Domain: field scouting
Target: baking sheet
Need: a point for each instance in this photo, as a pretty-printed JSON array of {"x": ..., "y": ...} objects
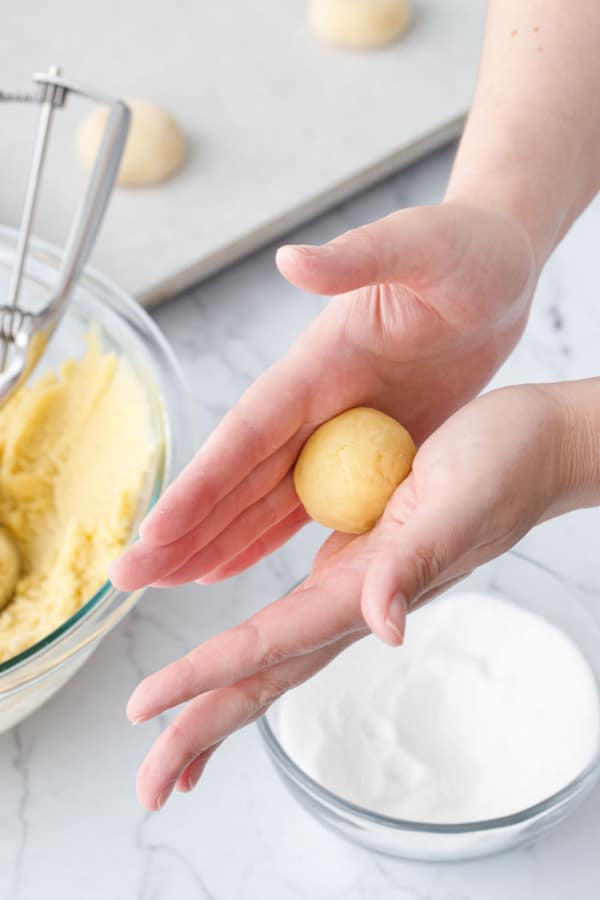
[{"x": 280, "y": 126}]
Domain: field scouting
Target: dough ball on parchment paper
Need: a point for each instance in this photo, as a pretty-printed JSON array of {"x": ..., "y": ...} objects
[
  {"x": 359, "y": 23},
  {"x": 155, "y": 147}
]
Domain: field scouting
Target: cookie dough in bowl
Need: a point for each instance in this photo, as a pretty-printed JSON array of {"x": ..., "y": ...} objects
[
  {"x": 10, "y": 567},
  {"x": 86, "y": 448},
  {"x": 75, "y": 451}
]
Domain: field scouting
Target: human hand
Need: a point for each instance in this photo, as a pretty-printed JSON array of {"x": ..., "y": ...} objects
[
  {"x": 431, "y": 301},
  {"x": 497, "y": 467}
]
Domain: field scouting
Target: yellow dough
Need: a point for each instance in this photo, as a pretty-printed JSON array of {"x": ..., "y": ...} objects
[
  {"x": 10, "y": 566},
  {"x": 359, "y": 23},
  {"x": 75, "y": 452},
  {"x": 155, "y": 147},
  {"x": 350, "y": 466}
]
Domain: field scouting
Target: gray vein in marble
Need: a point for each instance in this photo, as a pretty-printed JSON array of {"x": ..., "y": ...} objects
[
  {"x": 547, "y": 360},
  {"x": 387, "y": 873},
  {"x": 151, "y": 850},
  {"x": 217, "y": 409},
  {"x": 291, "y": 887},
  {"x": 252, "y": 866},
  {"x": 130, "y": 652},
  {"x": 21, "y": 767},
  {"x": 159, "y": 722},
  {"x": 281, "y": 569},
  {"x": 556, "y": 317},
  {"x": 146, "y": 852},
  {"x": 193, "y": 333},
  {"x": 163, "y": 625},
  {"x": 552, "y": 283},
  {"x": 565, "y": 580},
  {"x": 244, "y": 374}
]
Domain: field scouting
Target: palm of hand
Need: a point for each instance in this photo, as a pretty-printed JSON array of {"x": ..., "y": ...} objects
[
  {"x": 418, "y": 349},
  {"x": 452, "y": 300}
]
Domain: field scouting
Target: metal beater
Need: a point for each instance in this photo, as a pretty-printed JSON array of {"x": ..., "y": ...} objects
[{"x": 24, "y": 335}]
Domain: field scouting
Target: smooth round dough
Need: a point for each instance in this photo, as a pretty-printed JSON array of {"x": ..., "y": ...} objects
[
  {"x": 350, "y": 467},
  {"x": 359, "y": 23},
  {"x": 155, "y": 146},
  {"x": 10, "y": 567}
]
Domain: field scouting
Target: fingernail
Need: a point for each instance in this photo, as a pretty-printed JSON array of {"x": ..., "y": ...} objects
[
  {"x": 183, "y": 785},
  {"x": 163, "y": 797},
  {"x": 193, "y": 780},
  {"x": 299, "y": 250},
  {"x": 134, "y": 718},
  {"x": 396, "y": 616}
]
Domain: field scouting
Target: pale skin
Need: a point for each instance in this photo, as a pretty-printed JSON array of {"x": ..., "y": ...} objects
[{"x": 427, "y": 303}]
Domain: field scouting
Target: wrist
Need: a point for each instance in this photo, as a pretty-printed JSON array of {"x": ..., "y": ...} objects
[
  {"x": 513, "y": 267},
  {"x": 576, "y": 444},
  {"x": 512, "y": 199}
]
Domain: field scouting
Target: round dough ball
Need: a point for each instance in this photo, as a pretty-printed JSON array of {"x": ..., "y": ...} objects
[
  {"x": 350, "y": 467},
  {"x": 359, "y": 23},
  {"x": 10, "y": 567},
  {"x": 155, "y": 146}
]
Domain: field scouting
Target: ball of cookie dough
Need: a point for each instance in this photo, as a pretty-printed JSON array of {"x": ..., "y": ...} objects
[
  {"x": 10, "y": 567},
  {"x": 155, "y": 146},
  {"x": 350, "y": 467},
  {"x": 359, "y": 23}
]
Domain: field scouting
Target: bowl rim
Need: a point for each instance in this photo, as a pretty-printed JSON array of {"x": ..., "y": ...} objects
[
  {"x": 286, "y": 764},
  {"x": 100, "y": 285}
]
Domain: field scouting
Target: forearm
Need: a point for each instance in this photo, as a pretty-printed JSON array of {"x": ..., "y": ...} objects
[{"x": 531, "y": 147}]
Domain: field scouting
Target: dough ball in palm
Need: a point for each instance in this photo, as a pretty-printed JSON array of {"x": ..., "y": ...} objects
[{"x": 350, "y": 467}]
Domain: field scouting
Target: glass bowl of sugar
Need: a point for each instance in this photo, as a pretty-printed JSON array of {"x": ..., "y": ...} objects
[{"x": 479, "y": 734}]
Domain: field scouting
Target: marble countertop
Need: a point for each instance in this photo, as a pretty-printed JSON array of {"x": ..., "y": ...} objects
[{"x": 70, "y": 825}]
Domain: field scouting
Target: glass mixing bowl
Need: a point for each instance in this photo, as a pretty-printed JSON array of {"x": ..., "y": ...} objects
[
  {"x": 533, "y": 586},
  {"x": 32, "y": 677}
]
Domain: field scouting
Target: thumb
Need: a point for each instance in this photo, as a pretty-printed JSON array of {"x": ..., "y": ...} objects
[
  {"x": 407, "y": 562},
  {"x": 405, "y": 246}
]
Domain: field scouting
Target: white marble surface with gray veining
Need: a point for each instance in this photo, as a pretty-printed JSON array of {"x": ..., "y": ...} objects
[{"x": 70, "y": 825}]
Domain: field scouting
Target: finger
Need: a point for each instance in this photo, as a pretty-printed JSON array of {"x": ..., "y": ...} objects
[
  {"x": 274, "y": 538},
  {"x": 223, "y": 535},
  {"x": 190, "y": 777},
  {"x": 410, "y": 559},
  {"x": 440, "y": 588},
  {"x": 336, "y": 543},
  {"x": 263, "y": 421},
  {"x": 144, "y": 563},
  {"x": 311, "y": 617},
  {"x": 253, "y": 522},
  {"x": 210, "y": 718},
  {"x": 400, "y": 247}
]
